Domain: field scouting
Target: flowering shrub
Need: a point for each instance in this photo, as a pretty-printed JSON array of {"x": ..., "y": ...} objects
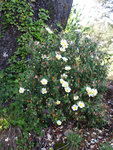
[{"x": 64, "y": 82}]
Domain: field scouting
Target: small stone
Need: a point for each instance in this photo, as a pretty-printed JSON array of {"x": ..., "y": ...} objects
[
  {"x": 93, "y": 141},
  {"x": 100, "y": 137},
  {"x": 92, "y": 147},
  {"x": 68, "y": 132},
  {"x": 49, "y": 137},
  {"x": 107, "y": 134},
  {"x": 87, "y": 133},
  {"x": 53, "y": 143},
  {"x": 100, "y": 131}
]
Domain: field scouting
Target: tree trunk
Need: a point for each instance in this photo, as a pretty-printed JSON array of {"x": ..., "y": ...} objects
[{"x": 59, "y": 11}]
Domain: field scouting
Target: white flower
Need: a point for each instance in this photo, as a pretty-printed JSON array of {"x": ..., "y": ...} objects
[
  {"x": 43, "y": 56},
  {"x": 59, "y": 122},
  {"x": 21, "y": 90},
  {"x": 49, "y": 30},
  {"x": 94, "y": 92},
  {"x": 111, "y": 144},
  {"x": 58, "y": 102},
  {"x": 68, "y": 89},
  {"x": 65, "y": 59},
  {"x": 74, "y": 107},
  {"x": 64, "y": 43},
  {"x": 67, "y": 68},
  {"x": 62, "y": 49},
  {"x": 81, "y": 104},
  {"x": 58, "y": 56},
  {"x": 7, "y": 139},
  {"x": 43, "y": 91},
  {"x": 36, "y": 42},
  {"x": 65, "y": 84},
  {"x": 5, "y": 54},
  {"x": 76, "y": 97},
  {"x": 62, "y": 81},
  {"x": 64, "y": 75},
  {"x": 44, "y": 81},
  {"x": 89, "y": 91}
]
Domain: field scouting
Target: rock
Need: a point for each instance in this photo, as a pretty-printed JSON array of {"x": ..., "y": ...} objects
[
  {"x": 49, "y": 137},
  {"x": 100, "y": 137},
  {"x": 8, "y": 45},
  {"x": 43, "y": 148},
  {"x": 68, "y": 132},
  {"x": 92, "y": 147},
  {"x": 59, "y": 11},
  {"x": 93, "y": 141}
]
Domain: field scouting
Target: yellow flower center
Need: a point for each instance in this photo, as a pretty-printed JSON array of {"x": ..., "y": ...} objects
[{"x": 80, "y": 104}]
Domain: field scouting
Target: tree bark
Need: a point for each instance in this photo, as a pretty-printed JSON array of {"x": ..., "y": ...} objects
[{"x": 59, "y": 11}]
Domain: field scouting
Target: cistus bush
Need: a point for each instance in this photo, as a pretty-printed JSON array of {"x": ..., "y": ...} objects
[{"x": 64, "y": 82}]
